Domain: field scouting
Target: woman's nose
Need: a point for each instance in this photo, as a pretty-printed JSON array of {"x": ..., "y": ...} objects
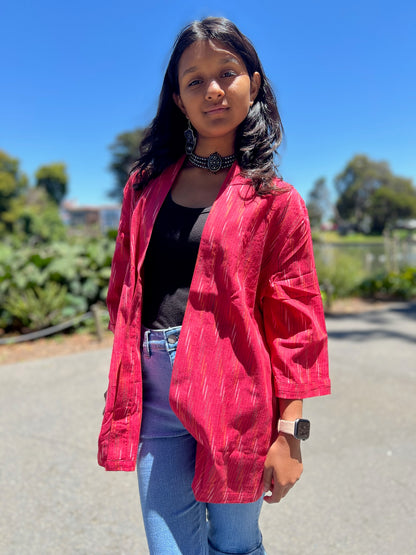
[{"x": 214, "y": 91}]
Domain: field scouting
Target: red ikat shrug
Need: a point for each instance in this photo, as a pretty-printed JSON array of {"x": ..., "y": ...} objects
[{"x": 253, "y": 331}]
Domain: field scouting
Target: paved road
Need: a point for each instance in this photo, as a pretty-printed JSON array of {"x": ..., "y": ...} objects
[{"x": 357, "y": 495}]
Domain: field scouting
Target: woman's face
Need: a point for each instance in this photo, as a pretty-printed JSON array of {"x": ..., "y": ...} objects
[{"x": 215, "y": 90}]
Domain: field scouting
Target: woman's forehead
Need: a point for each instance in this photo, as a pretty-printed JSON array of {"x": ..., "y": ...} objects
[{"x": 198, "y": 53}]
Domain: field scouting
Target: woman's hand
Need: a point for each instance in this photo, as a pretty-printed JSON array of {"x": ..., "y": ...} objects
[{"x": 282, "y": 468}]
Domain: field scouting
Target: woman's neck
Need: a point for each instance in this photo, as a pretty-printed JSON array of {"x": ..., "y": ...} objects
[{"x": 206, "y": 146}]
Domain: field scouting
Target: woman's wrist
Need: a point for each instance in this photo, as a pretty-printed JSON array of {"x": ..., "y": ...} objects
[
  {"x": 288, "y": 440},
  {"x": 290, "y": 409}
]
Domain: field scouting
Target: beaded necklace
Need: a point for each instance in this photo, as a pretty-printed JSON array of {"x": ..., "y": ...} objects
[{"x": 214, "y": 162}]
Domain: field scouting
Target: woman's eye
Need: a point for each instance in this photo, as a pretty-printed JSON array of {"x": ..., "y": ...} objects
[
  {"x": 194, "y": 82},
  {"x": 229, "y": 73}
]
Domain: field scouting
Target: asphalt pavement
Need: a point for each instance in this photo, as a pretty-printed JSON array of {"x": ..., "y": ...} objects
[{"x": 357, "y": 494}]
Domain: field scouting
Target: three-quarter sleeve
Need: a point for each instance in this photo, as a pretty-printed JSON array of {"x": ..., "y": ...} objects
[{"x": 292, "y": 309}]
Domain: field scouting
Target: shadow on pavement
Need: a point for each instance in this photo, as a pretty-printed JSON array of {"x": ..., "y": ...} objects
[{"x": 384, "y": 324}]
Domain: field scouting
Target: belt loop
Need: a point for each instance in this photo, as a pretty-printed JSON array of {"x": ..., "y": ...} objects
[{"x": 146, "y": 346}]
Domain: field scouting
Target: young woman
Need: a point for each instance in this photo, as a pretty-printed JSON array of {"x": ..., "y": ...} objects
[{"x": 215, "y": 305}]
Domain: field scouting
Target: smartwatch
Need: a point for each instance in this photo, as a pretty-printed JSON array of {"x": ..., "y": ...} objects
[{"x": 299, "y": 428}]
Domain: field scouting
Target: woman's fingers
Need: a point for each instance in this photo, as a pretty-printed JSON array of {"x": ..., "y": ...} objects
[
  {"x": 267, "y": 480},
  {"x": 277, "y": 493},
  {"x": 282, "y": 468}
]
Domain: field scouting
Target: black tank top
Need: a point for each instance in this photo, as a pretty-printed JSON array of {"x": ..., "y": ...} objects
[{"x": 169, "y": 263}]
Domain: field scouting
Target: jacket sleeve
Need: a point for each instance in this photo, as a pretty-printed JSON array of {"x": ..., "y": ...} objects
[
  {"x": 292, "y": 308},
  {"x": 121, "y": 258}
]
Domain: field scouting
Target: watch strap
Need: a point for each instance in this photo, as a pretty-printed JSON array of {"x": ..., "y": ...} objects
[{"x": 286, "y": 426}]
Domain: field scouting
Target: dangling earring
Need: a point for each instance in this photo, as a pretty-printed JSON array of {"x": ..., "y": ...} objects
[{"x": 190, "y": 139}]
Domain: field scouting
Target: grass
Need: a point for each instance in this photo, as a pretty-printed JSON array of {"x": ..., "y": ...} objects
[{"x": 356, "y": 238}]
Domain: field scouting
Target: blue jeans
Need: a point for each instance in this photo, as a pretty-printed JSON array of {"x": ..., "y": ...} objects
[{"x": 175, "y": 522}]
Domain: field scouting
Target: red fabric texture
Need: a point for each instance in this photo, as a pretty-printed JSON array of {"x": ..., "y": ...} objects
[{"x": 253, "y": 331}]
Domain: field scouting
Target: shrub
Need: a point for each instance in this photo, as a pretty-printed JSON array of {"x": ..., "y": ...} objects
[
  {"x": 36, "y": 308},
  {"x": 76, "y": 272},
  {"x": 339, "y": 273},
  {"x": 390, "y": 285}
]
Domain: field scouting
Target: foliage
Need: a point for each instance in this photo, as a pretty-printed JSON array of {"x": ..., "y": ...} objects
[
  {"x": 371, "y": 197},
  {"x": 339, "y": 273},
  {"x": 37, "y": 307},
  {"x": 26, "y": 213},
  {"x": 356, "y": 238},
  {"x": 54, "y": 179},
  {"x": 124, "y": 152},
  {"x": 81, "y": 269},
  {"x": 33, "y": 217},
  {"x": 388, "y": 206},
  {"x": 12, "y": 183},
  {"x": 390, "y": 285},
  {"x": 319, "y": 202},
  {"x": 89, "y": 325}
]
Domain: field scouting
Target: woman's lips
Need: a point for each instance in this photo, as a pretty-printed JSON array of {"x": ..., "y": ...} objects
[{"x": 218, "y": 110}]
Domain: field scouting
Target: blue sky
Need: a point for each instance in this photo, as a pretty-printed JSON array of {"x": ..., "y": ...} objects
[{"x": 75, "y": 74}]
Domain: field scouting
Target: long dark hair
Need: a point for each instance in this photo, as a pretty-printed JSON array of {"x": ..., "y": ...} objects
[{"x": 257, "y": 137}]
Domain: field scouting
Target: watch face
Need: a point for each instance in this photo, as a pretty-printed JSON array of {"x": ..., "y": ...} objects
[{"x": 302, "y": 429}]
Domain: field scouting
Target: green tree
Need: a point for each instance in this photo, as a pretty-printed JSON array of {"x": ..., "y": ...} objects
[
  {"x": 391, "y": 204},
  {"x": 124, "y": 152},
  {"x": 34, "y": 216},
  {"x": 371, "y": 197},
  {"x": 12, "y": 183},
  {"x": 319, "y": 202},
  {"x": 54, "y": 179}
]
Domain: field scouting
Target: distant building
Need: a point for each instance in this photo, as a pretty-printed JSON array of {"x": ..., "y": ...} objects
[{"x": 105, "y": 217}]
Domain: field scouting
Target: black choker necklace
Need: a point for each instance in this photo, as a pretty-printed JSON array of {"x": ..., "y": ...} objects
[{"x": 214, "y": 162}]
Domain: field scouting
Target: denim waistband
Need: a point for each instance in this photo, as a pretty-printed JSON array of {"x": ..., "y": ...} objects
[{"x": 160, "y": 340}]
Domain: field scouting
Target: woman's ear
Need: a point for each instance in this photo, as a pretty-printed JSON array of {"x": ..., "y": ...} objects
[
  {"x": 254, "y": 86},
  {"x": 178, "y": 101}
]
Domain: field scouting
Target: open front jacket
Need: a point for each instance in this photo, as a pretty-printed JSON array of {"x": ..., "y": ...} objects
[{"x": 253, "y": 332}]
